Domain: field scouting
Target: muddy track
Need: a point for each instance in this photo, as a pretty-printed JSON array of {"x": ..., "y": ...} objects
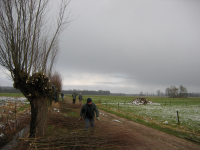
[{"x": 142, "y": 137}]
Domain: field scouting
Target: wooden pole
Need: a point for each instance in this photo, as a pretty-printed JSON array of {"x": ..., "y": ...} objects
[{"x": 178, "y": 117}]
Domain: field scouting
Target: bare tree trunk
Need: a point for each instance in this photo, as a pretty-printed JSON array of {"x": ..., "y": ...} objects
[{"x": 38, "y": 122}]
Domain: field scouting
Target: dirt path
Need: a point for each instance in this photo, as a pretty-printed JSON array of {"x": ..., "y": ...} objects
[{"x": 141, "y": 137}]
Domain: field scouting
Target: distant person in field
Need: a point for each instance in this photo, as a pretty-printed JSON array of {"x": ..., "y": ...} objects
[
  {"x": 80, "y": 97},
  {"x": 74, "y": 97},
  {"x": 62, "y": 95},
  {"x": 88, "y": 113}
]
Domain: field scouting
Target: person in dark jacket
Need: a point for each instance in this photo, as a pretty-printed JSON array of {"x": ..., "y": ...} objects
[
  {"x": 88, "y": 113},
  {"x": 62, "y": 95},
  {"x": 80, "y": 97},
  {"x": 74, "y": 97}
]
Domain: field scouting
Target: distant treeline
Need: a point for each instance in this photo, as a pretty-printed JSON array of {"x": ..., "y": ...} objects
[
  {"x": 87, "y": 92},
  {"x": 7, "y": 89}
]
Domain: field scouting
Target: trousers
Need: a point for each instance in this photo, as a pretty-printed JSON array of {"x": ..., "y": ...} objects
[
  {"x": 89, "y": 123},
  {"x": 74, "y": 100}
]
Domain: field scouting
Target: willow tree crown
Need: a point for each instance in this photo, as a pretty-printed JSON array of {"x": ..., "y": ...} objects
[{"x": 27, "y": 44}]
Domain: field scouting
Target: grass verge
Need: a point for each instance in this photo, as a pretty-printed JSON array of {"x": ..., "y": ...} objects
[{"x": 164, "y": 128}]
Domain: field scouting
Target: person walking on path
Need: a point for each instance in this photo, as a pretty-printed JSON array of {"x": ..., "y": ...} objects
[
  {"x": 62, "y": 95},
  {"x": 80, "y": 97},
  {"x": 88, "y": 113},
  {"x": 74, "y": 97}
]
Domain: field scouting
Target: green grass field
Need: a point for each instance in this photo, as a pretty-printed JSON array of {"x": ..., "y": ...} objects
[{"x": 12, "y": 94}]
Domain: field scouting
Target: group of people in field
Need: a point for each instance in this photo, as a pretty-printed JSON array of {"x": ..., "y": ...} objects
[{"x": 88, "y": 110}]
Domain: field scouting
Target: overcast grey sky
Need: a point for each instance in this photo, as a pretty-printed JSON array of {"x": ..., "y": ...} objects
[{"x": 130, "y": 46}]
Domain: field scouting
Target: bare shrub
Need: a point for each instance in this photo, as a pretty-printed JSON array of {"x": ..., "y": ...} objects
[{"x": 56, "y": 80}]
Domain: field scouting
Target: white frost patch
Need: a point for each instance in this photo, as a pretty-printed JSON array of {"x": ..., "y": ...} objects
[
  {"x": 56, "y": 110},
  {"x": 1, "y": 135},
  {"x": 188, "y": 115},
  {"x": 166, "y": 122},
  {"x": 2, "y": 126},
  {"x": 104, "y": 114},
  {"x": 13, "y": 98},
  {"x": 116, "y": 120}
]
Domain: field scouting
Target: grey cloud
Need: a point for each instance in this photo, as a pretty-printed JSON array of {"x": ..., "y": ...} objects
[
  {"x": 150, "y": 43},
  {"x": 146, "y": 45},
  {"x": 107, "y": 83}
]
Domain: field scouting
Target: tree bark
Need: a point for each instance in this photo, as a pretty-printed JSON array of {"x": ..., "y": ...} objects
[{"x": 38, "y": 122}]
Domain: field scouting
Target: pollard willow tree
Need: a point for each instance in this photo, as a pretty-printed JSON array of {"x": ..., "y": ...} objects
[{"x": 28, "y": 49}]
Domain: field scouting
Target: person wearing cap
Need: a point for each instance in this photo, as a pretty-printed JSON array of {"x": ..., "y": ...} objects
[
  {"x": 74, "y": 97},
  {"x": 88, "y": 113}
]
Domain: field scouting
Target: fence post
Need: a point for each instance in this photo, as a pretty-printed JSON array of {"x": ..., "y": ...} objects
[
  {"x": 178, "y": 117},
  {"x": 118, "y": 106}
]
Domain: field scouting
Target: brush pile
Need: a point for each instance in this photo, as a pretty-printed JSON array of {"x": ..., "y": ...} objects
[{"x": 141, "y": 101}]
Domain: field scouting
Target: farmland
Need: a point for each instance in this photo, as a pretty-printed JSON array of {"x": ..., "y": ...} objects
[
  {"x": 162, "y": 114},
  {"x": 156, "y": 115}
]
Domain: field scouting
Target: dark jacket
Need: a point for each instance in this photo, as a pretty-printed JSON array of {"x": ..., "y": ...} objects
[
  {"x": 80, "y": 97},
  {"x": 74, "y": 95},
  {"x": 92, "y": 110}
]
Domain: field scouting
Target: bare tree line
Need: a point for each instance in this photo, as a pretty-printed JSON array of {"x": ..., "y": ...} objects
[{"x": 173, "y": 91}]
